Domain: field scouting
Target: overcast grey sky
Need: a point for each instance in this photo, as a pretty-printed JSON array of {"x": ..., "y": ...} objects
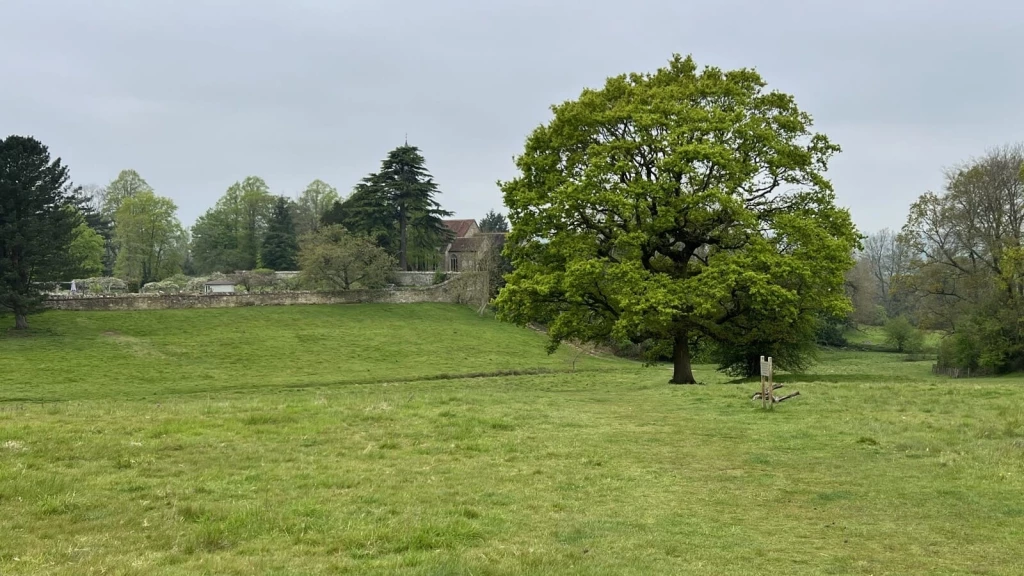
[{"x": 198, "y": 94}]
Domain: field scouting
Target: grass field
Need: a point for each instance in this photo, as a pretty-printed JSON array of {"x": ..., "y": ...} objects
[
  {"x": 873, "y": 338},
  {"x": 332, "y": 440},
  {"x": 120, "y": 355}
]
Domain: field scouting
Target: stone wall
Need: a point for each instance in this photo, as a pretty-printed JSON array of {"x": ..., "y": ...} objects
[
  {"x": 414, "y": 278},
  {"x": 456, "y": 291}
]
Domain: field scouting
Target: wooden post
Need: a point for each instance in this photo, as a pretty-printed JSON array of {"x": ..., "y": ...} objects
[{"x": 766, "y": 385}]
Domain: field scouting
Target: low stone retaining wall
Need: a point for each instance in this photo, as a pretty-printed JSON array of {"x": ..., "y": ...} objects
[
  {"x": 414, "y": 278},
  {"x": 454, "y": 292}
]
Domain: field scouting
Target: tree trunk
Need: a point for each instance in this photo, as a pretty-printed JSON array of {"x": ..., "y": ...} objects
[
  {"x": 403, "y": 241},
  {"x": 681, "y": 372},
  {"x": 20, "y": 322}
]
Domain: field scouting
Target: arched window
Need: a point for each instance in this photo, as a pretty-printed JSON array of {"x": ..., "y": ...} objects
[{"x": 454, "y": 265}]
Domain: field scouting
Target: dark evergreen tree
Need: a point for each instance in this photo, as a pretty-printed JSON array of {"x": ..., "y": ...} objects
[
  {"x": 280, "y": 245},
  {"x": 411, "y": 189},
  {"x": 494, "y": 222},
  {"x": 396, "y": 207},
  {"x": 367, "y": 211},
  {"x": 37, "y": 223}
]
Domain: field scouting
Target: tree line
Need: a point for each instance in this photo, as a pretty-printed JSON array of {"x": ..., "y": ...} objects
[
  {"x": 53, "y": 231},
  {"x": 956, "y": 266},
  {"x": 684, "y": 212}
]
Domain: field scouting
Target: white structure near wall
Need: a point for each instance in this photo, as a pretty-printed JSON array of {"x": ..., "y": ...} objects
[{"x": 219, "y": 287}]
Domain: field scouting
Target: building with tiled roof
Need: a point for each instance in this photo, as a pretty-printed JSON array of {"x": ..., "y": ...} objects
[
  {"x": 462, "y": 228},
  {"x": 469, "y": 244}
]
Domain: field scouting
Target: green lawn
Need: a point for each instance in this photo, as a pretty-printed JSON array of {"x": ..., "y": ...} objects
[
  {"x": 310, "y": 455},
  {"x": 873, "y": 338},
  {"x": 75, "y": 355}
]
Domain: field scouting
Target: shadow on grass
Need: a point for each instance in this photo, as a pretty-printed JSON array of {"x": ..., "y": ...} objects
[
  {"x": 812, "y": 378},
  {"x": 318, "y": 384}
]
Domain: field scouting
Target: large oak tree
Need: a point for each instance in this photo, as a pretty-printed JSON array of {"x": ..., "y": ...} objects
[{"x": 677, "y": 207}]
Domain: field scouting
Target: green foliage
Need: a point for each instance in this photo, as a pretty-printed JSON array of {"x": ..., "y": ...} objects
[
  {"x": 794, "y": 351},
  {"x": 89, "y": 202},
  {"x": 314, "y": 202},
  {"x": 675, "y": 207},
  {"x": 395, "y": 207},
  {"x": 959, "y": 351},
  {"x": 151, "y": 243},
  {"x": 101, "y": 285},
  {"x": 334, "y": 259},
  {"x": 902, "y": 336},
  {"x": 983, "y": 344},
  {"x": 491, "y": 260},
  {"x": 87, "y": 249},
  {"x": 38, "y": 221},
  {"x": 228, "y": 236},
  {"x": 280, "y": 245},
  {"x": 258, "y": 280},
  {"x": 367, "y": 213},
  {"x": 172, "y": 285},
  {"x": 832, "y": 331},
  {"x": 969, "y": 277},
  {"x": 128, "y": 184},
  {"x": 494, "y": 222},
  {"x": 215, "y": 243}
]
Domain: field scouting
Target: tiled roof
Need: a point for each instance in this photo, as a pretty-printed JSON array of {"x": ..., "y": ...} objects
[
  {"x": 475, "y": 243},
  {"x": 459, "y": 227}
]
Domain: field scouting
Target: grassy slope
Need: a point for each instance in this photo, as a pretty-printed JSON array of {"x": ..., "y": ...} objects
[
  {"x": 141, "y": 354},
  {"x": 873, "y": 337},
  {"x": 877, "y": 468}
]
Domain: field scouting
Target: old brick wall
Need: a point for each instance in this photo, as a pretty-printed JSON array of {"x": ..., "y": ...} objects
[{"x": 456, "y": 291}]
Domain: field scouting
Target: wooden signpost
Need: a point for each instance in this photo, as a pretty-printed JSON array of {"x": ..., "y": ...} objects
[{"x": 768, "y": 386}]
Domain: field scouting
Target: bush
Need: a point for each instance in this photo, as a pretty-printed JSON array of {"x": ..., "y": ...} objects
[
  {"x": 744, "y": 360},
  {"x": 258, "y": 280},
  {"x": 831, "y": 331},
  {"x": 440, "y": 276},
  {"x": 195, "y": 285},
  {"x": 958, "y": 351},
  {"x": 172, "y": 285},
  {"x": 902, "y": 336},
  {"x": 102, "y": 285}
]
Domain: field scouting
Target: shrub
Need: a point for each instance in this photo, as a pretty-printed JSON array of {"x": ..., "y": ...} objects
[
  {"x": 195, "y": 285},
  {"x": 831, "y": 331},
  {"x": 258, "y": 280},
  {"x": 101, "y": 285},
  {"x": 902, "y": 336},
  {"x": 172, "y": 285}
]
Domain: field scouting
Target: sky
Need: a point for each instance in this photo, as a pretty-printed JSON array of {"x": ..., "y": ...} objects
[{"x": 196, "y": 95}]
